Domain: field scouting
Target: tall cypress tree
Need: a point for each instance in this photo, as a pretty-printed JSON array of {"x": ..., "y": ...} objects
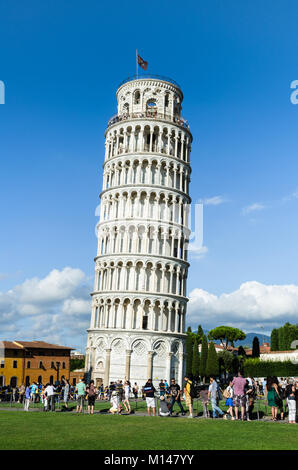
[
  {"x": 212, "y": 367},
  {"x": 281, "y": 342},
  {"x": 274, "y": 340},
  {"x": 287, "y": 336},
  {"x": 241, "y": 351},
  {"x": 196, "y": 359},
  {"x": 204, "y": 355},
  {"x": 293, "y": 334},
  {"x": 189, "y": 348},
  {"x": 200, "y": 334},
  {"x": 255, "y": 347}
]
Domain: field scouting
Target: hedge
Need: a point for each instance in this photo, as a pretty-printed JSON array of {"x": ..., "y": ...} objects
[{"x": 257, "y": 368}]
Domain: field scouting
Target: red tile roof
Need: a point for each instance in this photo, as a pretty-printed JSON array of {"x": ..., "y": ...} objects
[
  {"x": 10, "y": 345},
  {"x": 32, "y": 344},
  {"x": 41, "y": 345}
]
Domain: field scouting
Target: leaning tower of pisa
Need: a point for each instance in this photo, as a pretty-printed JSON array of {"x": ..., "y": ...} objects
[{"x": 139, "y": 300}]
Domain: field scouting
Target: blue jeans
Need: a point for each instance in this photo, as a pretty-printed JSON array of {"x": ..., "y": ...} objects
[
  {"x": 215, "y": 409},
  {"x": 173, "y": 401}
]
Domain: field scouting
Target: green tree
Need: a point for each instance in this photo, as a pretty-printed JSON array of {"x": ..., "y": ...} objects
[
  {"x": 196, "y": 360},
  {"x": 76, "y": 364},
  {"x": 293, "y": 336},
  {"x": 200, "y": 334},
  {"x": 204, "y": 356},
  {"x": 225, "y": 362},
  {"x": 241, "y": 351},
  {"x": 281, "y": 340},
  {"x": 274, "y": 340},
  {"x": 212, "y": 367},
  {"x": 189, "y": 351},
  {"x": 287, "y": 333},
  {"x": 226, "y": 335},
  {"x": 256, "y": 347}
]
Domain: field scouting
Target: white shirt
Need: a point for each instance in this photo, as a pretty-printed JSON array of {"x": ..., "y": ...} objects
[{"x": 50, "y": 390}]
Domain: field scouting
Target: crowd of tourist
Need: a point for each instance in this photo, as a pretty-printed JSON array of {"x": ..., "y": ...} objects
[{"x": 238, "y": 395}]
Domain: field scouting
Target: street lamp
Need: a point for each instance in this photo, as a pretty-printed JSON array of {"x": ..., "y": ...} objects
[
  {"x": 57, "y": 365},
  {"x": 261, "y": 326}
]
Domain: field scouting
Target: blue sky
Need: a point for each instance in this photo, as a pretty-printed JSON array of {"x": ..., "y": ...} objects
[{"x": 61, "y": 62}]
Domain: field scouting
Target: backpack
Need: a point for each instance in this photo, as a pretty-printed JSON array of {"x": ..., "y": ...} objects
[
  {"x": 226, "y": 393},
  {"x": 192, "y": 391}
]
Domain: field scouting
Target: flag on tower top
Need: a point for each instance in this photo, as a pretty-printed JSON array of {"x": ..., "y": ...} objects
[{"x": 142, "y": 63}]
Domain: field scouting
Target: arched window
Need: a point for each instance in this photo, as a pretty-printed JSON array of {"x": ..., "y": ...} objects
[
  {"x": 151, "y": 108},
  {"x": 39, "y": 379},
  {"x": 126, "y": 108},
  {"x": 167, "y": 100},
  {"x": 137, "y": 97},
  {"x": 28, "y": 364},
  {"x": 151, "y": 103},
  {"x": 63, "y": 365},
  {"x": 27, "y": 381},
  {"x": 13, "y": 382},
  {"x": 2, "y": 380},
  {"x": 51, "y": 379},
  {"x": 145, "y": 322}
]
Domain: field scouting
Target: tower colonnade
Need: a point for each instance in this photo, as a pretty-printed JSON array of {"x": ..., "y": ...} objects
[
  {"x": 139, "y": 301},
  {"x": 158, "y": 171},
  {"x": 154, "y": 138}
]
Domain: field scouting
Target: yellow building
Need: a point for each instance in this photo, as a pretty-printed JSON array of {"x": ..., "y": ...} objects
[{"x": 32, "y": 361}]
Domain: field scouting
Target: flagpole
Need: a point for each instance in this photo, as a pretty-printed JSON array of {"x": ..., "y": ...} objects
[{"x": 137, "y": 62}]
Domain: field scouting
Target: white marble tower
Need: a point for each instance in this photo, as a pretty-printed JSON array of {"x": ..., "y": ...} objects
[{"x": 139, "y": 298}]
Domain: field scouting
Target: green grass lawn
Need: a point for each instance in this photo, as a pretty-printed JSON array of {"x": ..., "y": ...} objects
[{"x": 21, "y": 430}]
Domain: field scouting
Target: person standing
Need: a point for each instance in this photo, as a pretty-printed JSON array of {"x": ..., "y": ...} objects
[
  {"x": 135, "y": 390},
  {"x": 162, "y": 388},
  {"x": 21, "y": 393},
  {"x": 149, "y": 391},
  {"x": 91, "y": 390},
  {"x": 272, "y": 396},
  {"x": 228, "y": 394},
  {"x": 50, "y": 394},
  {"x": 175, "y": 393},
  {"x": 27, "y": 398},
  {"x": 66, "y": 392},
  {"x": 33, "y": 391},
  {"x": 292, "y": 396},
  {"x": 239, "y": 384},
  {"x": 213, "y": 397},
  {"x": 80, "y": 390},
  {"x": 250, "y": 392},
  {"x": 188, "y": 397},
  {"x": 204, "y": 400},
  {"x": 279, "y": 401},
  {"x": 127, "y": 396}
]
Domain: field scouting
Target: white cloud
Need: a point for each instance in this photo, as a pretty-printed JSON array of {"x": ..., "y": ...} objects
[
  {"x": 54, "y": 287},
  {"x": 214, "y": 201},
  {"x": 197, "y": 252},
  {"x": 246, "y": 307},
  {"x": 76, "y": 307},
  {"x": 290, "y": 197},
  {"x": 55, "y": 308},
  {"x": 253, "y": 208}
]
